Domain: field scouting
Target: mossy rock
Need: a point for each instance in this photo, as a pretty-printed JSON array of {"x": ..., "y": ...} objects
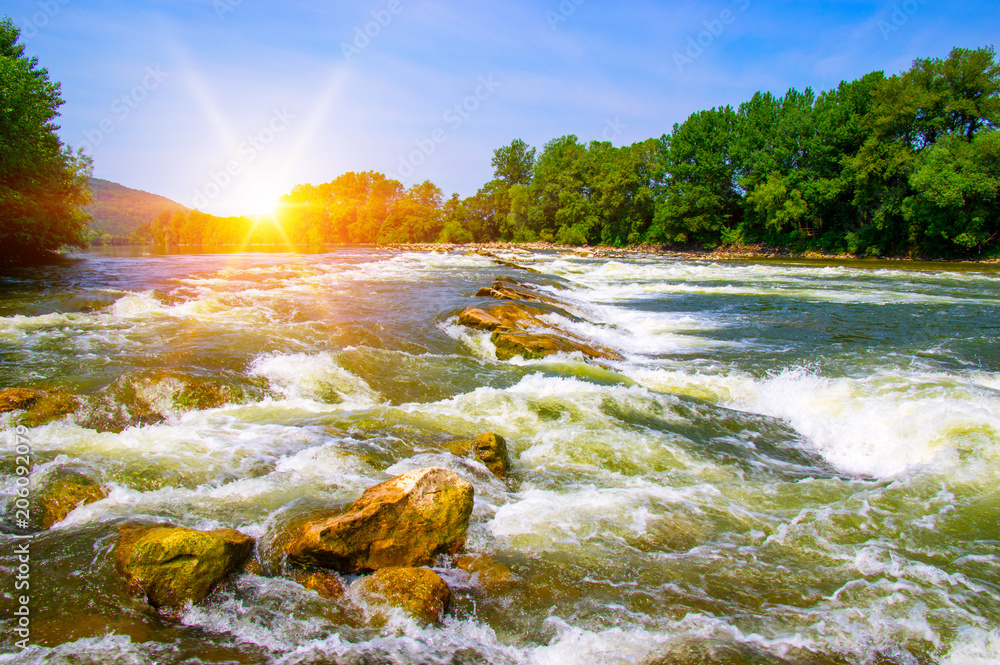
[
  {"x": 49, "y": 408},
  {"x": 419, "y": 592},
  {"x": 172, "y": 566},
  {"x": 489, "y": 448},
  {"x": 65, "y": 491},
  {"x": 17, "y": 399}
]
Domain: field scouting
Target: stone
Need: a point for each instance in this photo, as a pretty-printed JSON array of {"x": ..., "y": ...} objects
[
  {"x": 404, "y": 522},
  {"x": 16, "y": 399},
  {"x": 487, "y": 574},
  {"x": 65, "y": 492},
  {"x": 473, "y": 317},
  {"x": 326, "y": 583},
  {"x": 47, "y": 408},
  {"x": 533, "y": 346},
  {"x": 491, "y": 449},
  {"x": 419, "y": 592},
  {"x": 172, "y": 566}
]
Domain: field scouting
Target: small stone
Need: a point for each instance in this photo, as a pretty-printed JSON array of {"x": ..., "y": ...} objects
[
  {"x": 326, "y": 583},
  {"x": 491, "y": 448}
]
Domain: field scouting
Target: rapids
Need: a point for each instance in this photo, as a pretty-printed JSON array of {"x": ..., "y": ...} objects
[{"x": 796, "y": 462}]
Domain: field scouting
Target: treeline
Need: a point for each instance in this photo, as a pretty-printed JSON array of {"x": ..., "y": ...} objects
[{"x": 900, "y": 165}]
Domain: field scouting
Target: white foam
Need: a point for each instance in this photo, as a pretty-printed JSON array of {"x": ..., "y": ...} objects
[{"x": 313, "y": 376}]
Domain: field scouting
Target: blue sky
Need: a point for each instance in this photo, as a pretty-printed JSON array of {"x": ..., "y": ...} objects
[{"x": 224, "y": 105}]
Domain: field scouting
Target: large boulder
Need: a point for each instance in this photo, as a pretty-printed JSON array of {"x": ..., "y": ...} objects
[
  {"x": 172, "y": 566},
  {"x": 65, "y": 491},
  {"x": 419, "y": 592},
  {"x": 404, "y": 522}
]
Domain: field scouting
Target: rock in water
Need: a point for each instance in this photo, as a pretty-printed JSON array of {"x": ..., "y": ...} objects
[
  {"x": 65, "y": 492},
  {"x": 13, "y": 399},
  {"x": 172, "y": 565},
  {"x": 419, "y": 592},
  {"x": 404, "y": 522},
  {"x": 491, "y": 448}
]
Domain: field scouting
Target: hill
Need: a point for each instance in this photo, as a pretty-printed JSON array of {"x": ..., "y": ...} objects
[{"x": 118, "y": 210}]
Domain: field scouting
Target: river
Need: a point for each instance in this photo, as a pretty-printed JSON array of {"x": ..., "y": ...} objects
[{"x": 795, "y": 462}]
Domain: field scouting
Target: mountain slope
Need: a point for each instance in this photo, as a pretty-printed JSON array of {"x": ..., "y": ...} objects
[{"x": 118, "y": 210}]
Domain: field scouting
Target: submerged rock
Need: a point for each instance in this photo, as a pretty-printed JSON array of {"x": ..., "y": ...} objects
[
  {"x": 172, "y": 566},
  {"x": 16, "y": 399},
  {"x": 419, "y": 592},
  {"x": 40, "y": 407},
  {"x": 487, "y": 574},
  {"x": 65, "y": 491},
  {"x": 404, "y": 522}
]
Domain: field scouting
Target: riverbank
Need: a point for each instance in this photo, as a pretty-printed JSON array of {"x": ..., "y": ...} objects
[{"x": 722, "y": 253}]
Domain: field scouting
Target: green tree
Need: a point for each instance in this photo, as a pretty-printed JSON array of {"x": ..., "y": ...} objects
[
  {"x": 699, "y": 199},
  {"x": 513, "y": 164},
  {"x": 42, "y": 182}
]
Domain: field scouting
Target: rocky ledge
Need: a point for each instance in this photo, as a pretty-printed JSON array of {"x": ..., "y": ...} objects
[{"x": 523, "y": 324}]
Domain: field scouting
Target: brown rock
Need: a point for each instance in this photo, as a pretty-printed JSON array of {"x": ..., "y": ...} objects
[
  {"x": 535, "y": 346},
  {"x": 15, "y": 399},
  {"x": 172, "y": 566},
  {"x": 491, "y": 448},
  {"x": 48, "y": 408},
  {"x": 324, "y": 582},
  {"x": 65, "y": 492},
  {"x": 473, "y": 317},
  {"x": 419, "y": 592},
  {"x": 406, "y": 521}
]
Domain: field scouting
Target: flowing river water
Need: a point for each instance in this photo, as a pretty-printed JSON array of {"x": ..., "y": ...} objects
[{"x": 796, "y": 462}]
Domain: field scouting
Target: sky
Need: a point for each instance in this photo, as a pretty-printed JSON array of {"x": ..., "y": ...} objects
[{"x": 225, "y": 105}]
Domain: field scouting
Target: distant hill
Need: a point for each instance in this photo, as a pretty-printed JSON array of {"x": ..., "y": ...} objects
[{"x": 118, "y": 210}]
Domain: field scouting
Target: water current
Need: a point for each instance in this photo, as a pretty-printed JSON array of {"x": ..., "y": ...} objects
[{"x": 795, "y": 462}]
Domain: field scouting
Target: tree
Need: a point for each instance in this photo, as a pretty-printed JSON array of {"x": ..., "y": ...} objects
[
  {"x": 42, "y": 182},
  {"x": 513, "y": 164},
  {"x": 699, "y": 198}
]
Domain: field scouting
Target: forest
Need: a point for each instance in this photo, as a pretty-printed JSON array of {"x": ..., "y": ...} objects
[{"x": 906, "y": 165}]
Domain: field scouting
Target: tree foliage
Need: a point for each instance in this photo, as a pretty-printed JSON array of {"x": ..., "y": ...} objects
[{"x": 42, "y": 182}]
